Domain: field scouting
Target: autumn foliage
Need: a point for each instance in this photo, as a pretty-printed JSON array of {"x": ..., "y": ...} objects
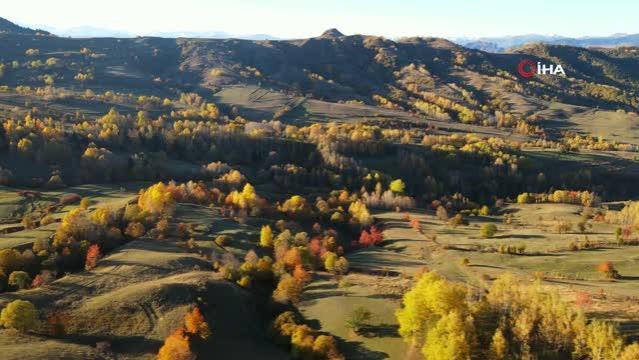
[
  {"x": 178, "y": 346},
  {"x": 371, "y": 237},
  {"x": 195, "y": 324},
  {"x": 93, "y": 255}
]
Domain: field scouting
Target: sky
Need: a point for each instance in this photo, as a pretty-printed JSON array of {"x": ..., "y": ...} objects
[{"x": 304, "y": 18}]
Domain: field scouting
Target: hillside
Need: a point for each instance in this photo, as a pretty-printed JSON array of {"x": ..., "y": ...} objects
[
  {"x": 7, "y": 26},
  {"x": 329, "y": 198}
]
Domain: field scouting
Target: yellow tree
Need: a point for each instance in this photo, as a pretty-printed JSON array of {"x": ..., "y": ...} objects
[
  {"x": 266, "y": 236},
  {"x": 430, "y": 299},
  {"x": 397, "y": 186},
  {"x": 19, "y": 314},
  {"x": 450, "y": 339}
]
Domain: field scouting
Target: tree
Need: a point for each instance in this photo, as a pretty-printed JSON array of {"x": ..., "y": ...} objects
[
  {"x": 329, "y": 261},
  {"x": 288, "y": 289},
  {"x": 358, "y": 319},
  {"x": 608, "y": 270},
  {"x": 19, "y": 314},
  {"x": 93, "y": 255},
  {"x": 487, "y": 230},
  {"x": 341, "y": 266},
  {"x": 397, "y": 186},
  {"x": 630, "y": 352},
  {"x": 603, "y": 341},
  {"x": 442, "y": 213},
  {"x": 450, "y": 339},
  {"x": 10, "y": 260},
  {"x": 176, "y": 347},
  {"x": 498, "y": 346},
  {"x": 484, "y": 211},
  {"x": 19, "y": 279},
  {"x": 431, "y": 298},
  {"x": 301, "y": 275},
  {"x": 376, "y": 235},
  {"x": 156, "y": 199},
  {"x": 195, "y": 324},
  {"x": 134, "y": 230},
  {"x": 416, "y": 225},
  {"x": 266, "y": 236}
]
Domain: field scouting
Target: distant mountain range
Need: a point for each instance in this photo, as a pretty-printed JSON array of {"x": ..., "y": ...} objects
[
  {"x": 489, "y": 44},
  {"x": 502, "y": 44}
]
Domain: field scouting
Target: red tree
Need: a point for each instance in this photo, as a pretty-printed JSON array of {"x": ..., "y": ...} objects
[
  {"x": 376, "y": 235},
  {"x": 93, "y": 255},
  {"x": 365, "y": 239}
]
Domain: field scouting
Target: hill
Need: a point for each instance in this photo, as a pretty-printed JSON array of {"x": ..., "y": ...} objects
[{"x": 7, "y": 26}]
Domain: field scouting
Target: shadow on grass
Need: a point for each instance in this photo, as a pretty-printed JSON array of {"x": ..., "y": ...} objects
[
  {"x": 355, "y": 350},
  {"x": 380, "y": 330},
  {"x": 518, "y": 236}
]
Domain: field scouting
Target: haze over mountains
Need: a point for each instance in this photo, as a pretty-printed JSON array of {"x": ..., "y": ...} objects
[
  {"x": 489, "y": 44},
  {"x": 503, "y": 43}
]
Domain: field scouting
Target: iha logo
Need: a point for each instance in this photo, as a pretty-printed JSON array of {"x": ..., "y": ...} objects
[{"x": 528, "y": 68}]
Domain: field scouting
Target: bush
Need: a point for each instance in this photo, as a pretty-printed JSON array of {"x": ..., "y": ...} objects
[
  {"x": 487, "y": 230},
  {"x": 19, "y": 314},
  {"x": 358, "y": 319},
  {"x": 222, "y": 240}
]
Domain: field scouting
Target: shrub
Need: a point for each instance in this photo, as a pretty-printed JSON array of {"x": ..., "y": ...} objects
[
  {"x": 222, "y": 240},
  {"x": 358, "y": 319},
  {"x": 487, "y": 230},
  {"x": 19, "y": 314},
  {"x": 484, "y": 211}
]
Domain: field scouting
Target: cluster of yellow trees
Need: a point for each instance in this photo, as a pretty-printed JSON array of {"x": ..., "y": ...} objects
[
  {"x": 585, "y": 198},
  {"x": 305, "y": 343},
  {"x": 496, "y": 148},
  {"x": 629, "y": 215},
  {"x": 576, "y": 141},
  {"x": 514, "y": 320}
]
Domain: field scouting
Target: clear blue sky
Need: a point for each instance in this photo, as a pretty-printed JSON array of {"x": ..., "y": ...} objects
[{"x": 303, "y": 18}]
